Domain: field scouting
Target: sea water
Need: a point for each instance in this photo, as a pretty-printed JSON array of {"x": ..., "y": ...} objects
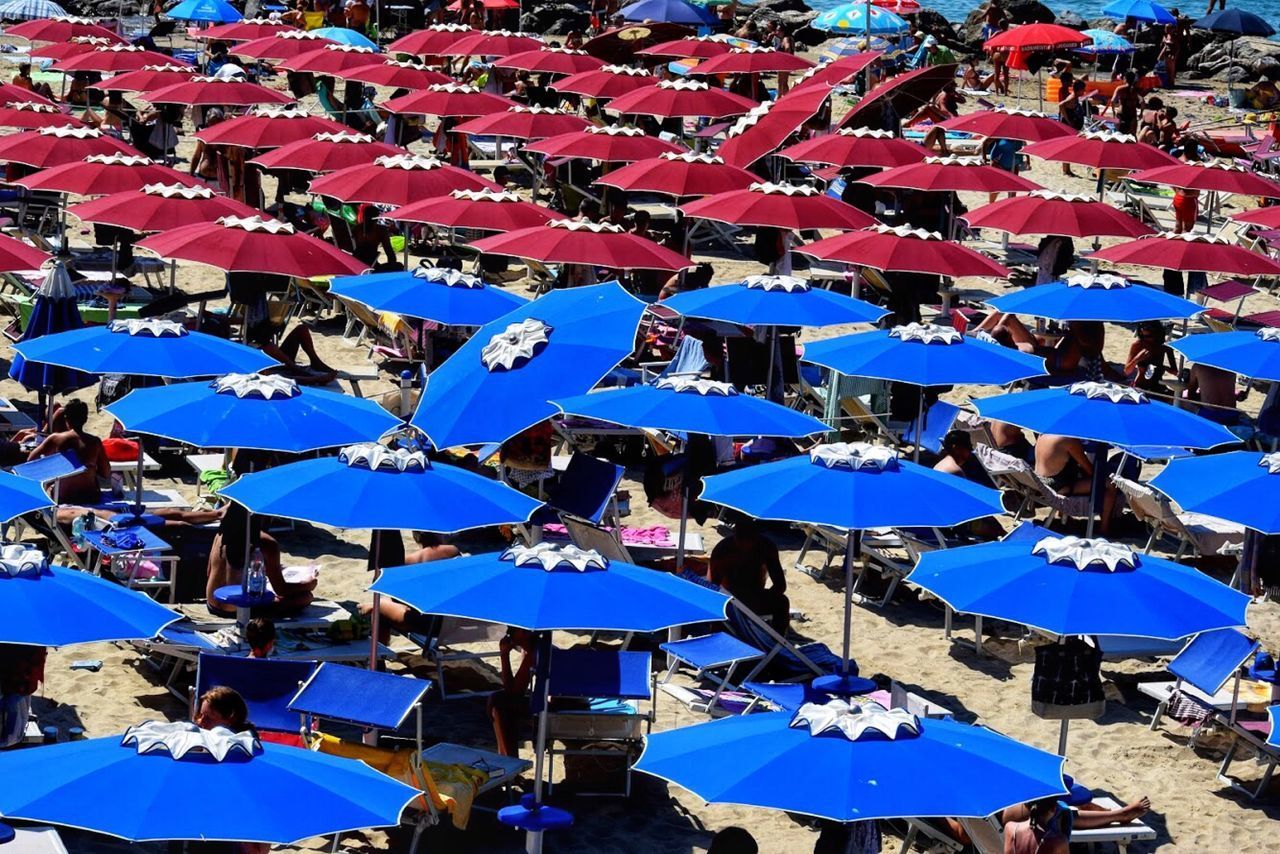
[{"x": 957, "y": 10}]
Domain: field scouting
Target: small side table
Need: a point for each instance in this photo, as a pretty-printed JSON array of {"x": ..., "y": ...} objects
[{"x": 233, "y": 594}]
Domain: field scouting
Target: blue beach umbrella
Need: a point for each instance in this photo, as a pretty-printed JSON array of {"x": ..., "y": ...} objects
[
  {"x": 852, "y": 18},
  {"x": 205, "y": 11},
  {"x": 265, "y": 793},
  {"x": 668, "y": 11},
  {"x": 1108, "y": 298},
  {"x": 20, "y": 496},
  {"x": 344, "y": 35},
  {"x": 1072, "y": 586},
  {"x": 854, "y": 45},
  {"x": 1105, "y": 43},
  {"x": 148, "y": 347},
  {"x": 501, "y": 381},
  {"x": 53, "y": 311},
  {"x": 30, "y": 10},
  {"x": 1251, "y": 354},
  {"x": 1235, "y": 21},
  {"x": 57, "y": 606},
  {"x": 267, "y": 413},
  {"x": 1140, "y": 10},
  {"x": 774, "y": 301},
  {"x": 853, "y": 762},
  {"x": 444, "y": 296},
  {"x": 1241, "y": 486}
]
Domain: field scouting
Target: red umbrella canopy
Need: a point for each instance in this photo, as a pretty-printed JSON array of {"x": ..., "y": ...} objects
[
  {"x": 75, "y": 47},
  {"x": 607, "y": 81},
  {"x": 607, "y": 144},
  {"x": 1045, "y": 212},
  {"x": 116, "y": 57},
  {"x": 268, "y": 127},
  {"x": 767, "y": 126},
  {"x": 157, "y": 207},
  {"x": 1268, "y": 217},
  {"x": 492, "y": 43},
  {"x": 752, "y": 60},
  {"x": 146, "y": 79},
  {"x": 856, "y": 147},
  {"x": 61, "y": 29},
  {"x": 430, "y": 41},
  {"x": 681, "y": 174},
  {"x": 16, "y": 255},
  {"x": 247, "y": 30},
  {"x": 904, "y": 250},
  {"x": 397, "y": 75},
  {"x": 1202, "y": 253},
  {"x": 103, "y": 174},
  {"x": 449, "y": 100},
  {"x": 957, "y": 174},
  {"x": 253, "y": 245},
  {"x": 779, "y": 206},
  {"x": 327, "y": 152},
  {"x": 398, "y": 180},
  {"x": 331, "y": 59},
  {"x": 525, "y": 123},
  {"x": 679, "y": 98},
  {"x": 1101, "y": 150},
  {"x": 486, "y": 210},
  {"x": 1028, "y": 37},
  {"x": 54, "y": 146},
  {"x": 695, "y": 47},
  {"x": 213, "y": 91},
  {"x": 1220, "y": 177},
  {"x": 281, "y": 45},
  {"x": 837, "y": 72},
  {"x": 10, "y": 94},
  {"x": 32, "y": 116},
  {"x": 906, "y": 93},
  {"x": 1022, "y": 125},
  {"x": 579, "y": 242},
  {"x": 551, "y": 60}
]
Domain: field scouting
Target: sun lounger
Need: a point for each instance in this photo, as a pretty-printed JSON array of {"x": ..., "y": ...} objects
[
  {"x": 1119, "y": 835},
  {"x": 586, "y": 490},
  {"x": 1266, "y": 748},
  {"x": 1013, "y": 475},
  {"x": 35, "y": 840},
  {"x": 1202, "y": 670},
  {"x": 362, "y": 698},
  {"x": 266, "y": 684},
  {"x": 443, "y": 645},
  {"x": 1205, "y": 535}
]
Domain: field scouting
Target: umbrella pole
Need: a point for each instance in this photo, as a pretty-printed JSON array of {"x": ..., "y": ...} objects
[
  {"x": 1096, "y": 485},
  {"x": 377, "y": 603},
  {"x": 684, "y": 524},
  {"x": 853, "y": 545},
  {"x": 772, "y": 335},
  {"x": 915, "y": 454},
  {"x": 533, "y": 838},
  {"x": 1062, "y": 737}
]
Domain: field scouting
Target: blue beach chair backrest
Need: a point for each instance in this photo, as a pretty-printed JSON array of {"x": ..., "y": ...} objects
[
  {"x": 50, "y": 468},
  {"x": 604, "y": 673},
  {"x": 266, "y": 684},
  {"x": 586, "y": 487},
  {"x": 1211, "y": 658},
  {"x": 937, "y": 423},
  {"x": 338, "y": 692}
]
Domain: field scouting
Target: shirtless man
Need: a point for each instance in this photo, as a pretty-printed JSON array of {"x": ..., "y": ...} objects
[
  {"x": 1063, "y": 463},
  {"x": 79, "y": 488},
  {"x": 742, "y": 563},
  {"x": 227, "y": 564},
  {"x": 1216, "y": 391}
]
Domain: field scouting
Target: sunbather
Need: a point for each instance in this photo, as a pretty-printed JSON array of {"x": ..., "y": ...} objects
[
  {"x": 260, "y": 634},
  {"x": 958, "y": 459},
  {"x": 1216, "y": 391},
  {"x": 1088, "y": 815},
  {"x": 79, "y": 488},
  {"x": 221, "y": 706},
  {"x": 390, "y": 553},
  {"x": 315, "y": 372},
  {"x": 237, "y": 536},
  {"x": 1046, "y": 830},
  {"x": 1063, "y": 463},
  {"x": 1077, "y": 353},
  {"x": 510, "y": 704},
  {"x": 742, "y": 563}
]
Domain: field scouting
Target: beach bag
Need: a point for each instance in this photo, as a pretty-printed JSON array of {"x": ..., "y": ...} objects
[{"x": 1067, "y": 681}]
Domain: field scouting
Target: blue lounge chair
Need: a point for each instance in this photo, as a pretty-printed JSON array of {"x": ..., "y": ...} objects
[
  {"x": 363, "y": 698},
  {"x": 938, "y": 420},
  {"x": 1201, "y": 672},
  {"x": 266, "y": 684},
  {"x": 1267, "y": 751},
  {"x": 586, "y": 490}
]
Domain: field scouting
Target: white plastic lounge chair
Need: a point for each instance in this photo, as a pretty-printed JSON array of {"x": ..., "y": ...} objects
[
  {"x": 1205, "y": 535},
  {"x": 1014, "y": 475}
]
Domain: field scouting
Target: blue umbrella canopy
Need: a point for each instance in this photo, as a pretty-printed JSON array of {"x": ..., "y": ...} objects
[
  {"x": 55, "y": 606},
  {"x": 344, "y": 35},
  {"x": 266, "y": 793},
  {"x": 1241, "y": 487},
  {"x": 503, "y": 379},
  {"x": 1250, "y": 354},
  {"x": 1104, "y": 412},
  {"x": 267, "y": 413},
  {"x": 774, "y": 301},
  {"x": 205, "y": 11},
  {"x": 1077, "y": 586},
  {"x": 852, "y": 487},
  {"x": 852, "y": 18},
  {"x": 146, "y": 347},
  {"x": 688, "y": 405},
  {"x": 668, "y": 11},
  {"x": 925, "y": 355},
  {"x": 20, "y": 496},
  {"x": 372, "y": 487},
  {"x": 447, "y": 297},
  {"x": 1139, "y": 10},
  {"x": 1108, "y": 298},
  {"x": 30, "y": 10},
  {"x": 54, "y": 310},
  {"x": 1105, "y": 43},
  {"x": 553, "y": 588},
  {"x": 1236, "y": 21},
  {"x": 853, "y": 762}
]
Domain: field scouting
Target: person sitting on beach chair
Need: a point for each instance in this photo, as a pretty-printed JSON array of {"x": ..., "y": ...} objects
[
  {"x": 315, "y": 372},
  {"x": 81, "y": 488},
  {"x": 742, "y": 563}
]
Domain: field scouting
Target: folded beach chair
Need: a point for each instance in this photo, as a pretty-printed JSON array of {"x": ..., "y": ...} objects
[
  {"x": 1204, "y": 535},
  {"x": 1201, "y": 673},
  {"x": 938, "y": 421},
  {"x": 363, "y": 698},
  {"x": 451, "y": 640},
  {"x": 1265, "y": 743},
  {"x": 586, "y": 490},
  {"x": 1011, "y": 474},
  {"x": 267, "y": 686}
]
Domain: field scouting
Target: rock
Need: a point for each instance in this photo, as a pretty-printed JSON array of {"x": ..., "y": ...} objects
[
  {"x": 1071, "y": 19},
  {"x": 1019, "y": 12},
  {"x": 104, "y": 9},
  {"x": 556, "y": 19},
  {"x": 1239, "y": 74},
  {"x": 779, "y": 6},
  {"x": 1238, "y": 60}
]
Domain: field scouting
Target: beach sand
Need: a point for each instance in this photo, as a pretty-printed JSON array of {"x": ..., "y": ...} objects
[{"x": 1118, "y": 755}]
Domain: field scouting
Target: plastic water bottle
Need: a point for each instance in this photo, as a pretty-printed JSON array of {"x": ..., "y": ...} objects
[
  {"x": 257, "y": 575},
  {"x": 78, "y": 541}
]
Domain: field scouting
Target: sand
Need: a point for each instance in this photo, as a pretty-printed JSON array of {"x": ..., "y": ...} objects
[{"x": 1118, "y": 755}]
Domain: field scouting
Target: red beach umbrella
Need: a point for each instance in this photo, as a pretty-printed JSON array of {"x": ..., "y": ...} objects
[
  {"x": 835, "y": 73},
  {"x": 253, "y": 245},
  {"x": 1045, "y": 212},
  {"x": 899, "y": 7},
  {"x": 1221, "y": 177},
  {"x": 785, "y": 206},
  {"x": 695, "y": 47},
  {"x": 1030, "y": 37},
  {"x": 62, "y": 29},
  {"x": 113, "y": 59},
  {"x": 607, "y": 81},
  {"x": 146, "y": 79},
  {"x": 54, "y": 146},
  {"x": 492, "y": 43},
  {"x": 904, "y": 250},
  {"x": 524, "y": 123},
  {"x": 1101, "y": 150},
  {"x": 958, "y": 174},
  {"x": 268, "y": 127},
  {"x": 485, "y": 210},
  {"x": 104, "y": 174},
  {"x": 327, "y": 152},
  {"x": 331, "y": 59},
  {"x": 683, "y": 174},
  {"x": 449, "y": 100},
  {"x": 607, "y": 144},
  {"x": 16, "y": 255},
  {"x": 551, "y": 60},
  {"x": 680, "y": 98},
  {"x": 280, "y": 46},
  {"x": 1268, "y": 217},
  {"x": 856, "y": 147},
  {"x": 767, "y": 126},
  {"x": 157, "y": 207},
  {"x": 905, "y": 93},
  {"x": 75, "y": 47},
  {"x": 34, "y": 116},
  {"x": 752, "y": 60},
  {"x": 396, "y": 75},
  {"x": 430, "y": 41},
  {"x": 244, "y": 31},
  {"x": 1202, "y": 253},
  {"x": 398, "y": 180},
  {"x": 212, "y": 91},
  {"x": 579, "y": 242},
  {"x": 1022, "y": 125},
  {"x": 10, "y": 94}
]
